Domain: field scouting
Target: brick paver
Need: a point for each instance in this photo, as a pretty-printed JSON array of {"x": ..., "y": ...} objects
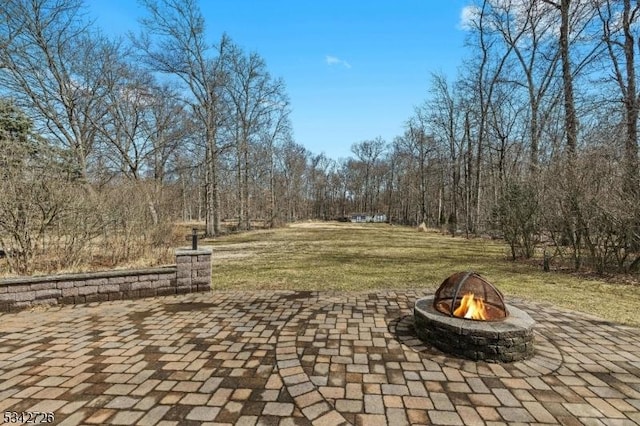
[{"x": 303, "y": 358}]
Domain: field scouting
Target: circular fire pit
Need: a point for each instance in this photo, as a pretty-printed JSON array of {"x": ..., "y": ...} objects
[{"x": 500, "y": 333}]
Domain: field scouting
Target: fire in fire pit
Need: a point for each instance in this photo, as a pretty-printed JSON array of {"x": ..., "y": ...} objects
[
  {"x": 468, "y": 295},
  {"x": 467, "y": 317},
  {"x": 471, "y": 308}
]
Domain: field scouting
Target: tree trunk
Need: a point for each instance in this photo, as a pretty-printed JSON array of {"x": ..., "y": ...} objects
[
  {"x": 467, "y": 177},
  {"x": 240, "y": 188},
  {"x": 272, "y": 190},
  {"x": 631, "y": 103},
  {"x": 246, "y": 224},
  {"x": 212, "y": 197},
  {"x": 534, "y": 156},
  {"x": 423, "y": 187},
  {"x": 571, "y": 129},
  {"x": 570, "y": 119}
]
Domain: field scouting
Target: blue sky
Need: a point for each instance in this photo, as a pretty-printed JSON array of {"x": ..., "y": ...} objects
[{"x": 354, "y": 70}]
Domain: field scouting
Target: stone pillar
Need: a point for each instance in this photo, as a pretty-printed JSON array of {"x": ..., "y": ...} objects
[{"x": 193, "y": 270}]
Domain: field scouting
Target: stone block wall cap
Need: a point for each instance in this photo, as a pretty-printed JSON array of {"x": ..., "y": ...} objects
[
  {"x": 84, "y": 276},
  {"x": 189, "y": 252}
]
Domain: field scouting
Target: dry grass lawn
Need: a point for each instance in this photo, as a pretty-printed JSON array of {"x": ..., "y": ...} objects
[{"x": 358, "y": 257}]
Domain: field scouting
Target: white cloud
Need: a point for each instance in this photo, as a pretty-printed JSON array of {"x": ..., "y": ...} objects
[
  {"x": 334, "y": 60},
  {"x": 468, "y": 15}
]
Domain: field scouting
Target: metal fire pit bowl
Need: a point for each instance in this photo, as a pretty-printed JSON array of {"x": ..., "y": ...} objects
[{"x": 450, "y": 293}]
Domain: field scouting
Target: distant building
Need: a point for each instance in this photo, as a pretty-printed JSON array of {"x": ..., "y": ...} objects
[
  {"x": 366, "y": 218},
  {"x": 358, "y": 217},
  {"x": 380, "y": 218}
]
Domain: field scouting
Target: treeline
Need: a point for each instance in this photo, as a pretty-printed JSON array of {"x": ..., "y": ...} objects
[{"x": 112, "y": 141}]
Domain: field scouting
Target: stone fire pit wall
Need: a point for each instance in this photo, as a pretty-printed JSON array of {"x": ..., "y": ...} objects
[
  {"x": 190, "y": 274},
  {"x": 493, "y": 341}
]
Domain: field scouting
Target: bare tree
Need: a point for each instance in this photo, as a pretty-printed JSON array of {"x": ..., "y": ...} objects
[
  {"x": 420, "y": 146},
  {"x": 445, "y": 124},
  {"x": 620, "y": 41},
  {"x": 120, "y": 129},
  {"x": 527, "y": 27},
  {"x": 368, "y": 152},
  {"x": 168, "y": 126},
  {"x": 485, "y": 75},
  {"x": 319, "y": 167},
  {"x": 570, "y": 116},
  {"x": 575, "y": 17},
  {"x": 292, "y": 159},
  {"x": 175, "y": 44},
  {"x": 139, "y": 132},
  {"x": 468, "y": 173},
  {"x": 276, "y": 131},
  {"x": 504, "y": 131},
  {"x": 253, "y": 96},
  {"x": 54, "y": 66}
]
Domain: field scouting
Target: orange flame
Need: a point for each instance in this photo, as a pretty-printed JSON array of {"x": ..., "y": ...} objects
[{"x": 471, "y": 308}]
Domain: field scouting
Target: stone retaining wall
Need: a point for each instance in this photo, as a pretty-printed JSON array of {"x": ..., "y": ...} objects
[{"x": 191, "y": 273}]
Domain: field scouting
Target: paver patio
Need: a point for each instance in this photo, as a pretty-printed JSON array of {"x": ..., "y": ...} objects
[{"x": 304, "y": 358}]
